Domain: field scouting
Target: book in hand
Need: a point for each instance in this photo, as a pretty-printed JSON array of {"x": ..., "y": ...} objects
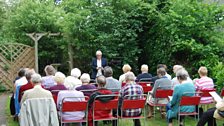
[
  {"x": 170, "y": 98},
  {"x": 216, "y": 97}
]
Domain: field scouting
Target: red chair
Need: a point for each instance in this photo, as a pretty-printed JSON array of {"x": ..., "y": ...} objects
[
  {"x": 130, "y": 103},
  {"x": 73, "y": 106},
  {"x": 108, "y": 106},
  {"x": 160, "y": 94},
  {"x": 188, "y": 101},
  {"x": 146, "y": 86},
  {"x": 55, "y": 95},
  {"x": 222, "y": 93},
  {"x": 123, "y": 84},
  {"x": 205, "y": 93}
]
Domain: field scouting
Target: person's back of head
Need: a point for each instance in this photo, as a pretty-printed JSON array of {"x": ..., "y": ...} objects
[
  {"x": 29, "y": 73},
  {"x": 203, "y": 71},
  {"x": 59, "y": 78},
  {"x": 126, "y": 68},
  {"x": 76, "y": 72},
  {"x": 85, "y": 78},
  {"x": 22, "y": 72},
  {"x": 161, "y": 72},
  {"x": 182, "y": 75},
  {"x": 129, "y": 77},
  {"x": 50, "y": 70},
  {"x": 108, "y": 71},
  {"x": 69, "y": 83},
  {"x": 36, "y": 79},
  {"x": 144, "y": 68},
  {"x": 176, "y": 68},
  {"x": 101, "y": 81}
]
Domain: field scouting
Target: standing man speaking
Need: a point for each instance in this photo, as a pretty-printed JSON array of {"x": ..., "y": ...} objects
[{"x": 98, "y": 64}]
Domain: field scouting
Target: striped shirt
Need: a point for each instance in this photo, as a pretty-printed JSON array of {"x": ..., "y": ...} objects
[
  {"x": 131, "y": 89},
  {"x": 204, "y": 83}
]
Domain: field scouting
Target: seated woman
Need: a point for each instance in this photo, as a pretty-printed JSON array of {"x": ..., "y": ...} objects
[
  {"x": 204, "y": 83},
  {"x": 75, "y": 74},
  {"x": 101, "y": 82},
  {"x": 85, "y": 78},
  {"x": 183, "y": 89},
  {"x": 126, "y": 68},
  {"x": 144, "y": 74},
  {"x": 48, "y": 81},
  {"x": 212, "y": 114},
  {"x": 162, "y": 83},
  {"x": 59, "y": 79},
  {"x": 68, "y": 94}
]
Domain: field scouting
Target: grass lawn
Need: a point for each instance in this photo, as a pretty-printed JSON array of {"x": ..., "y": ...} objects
[{"x": 189, "y": 121}]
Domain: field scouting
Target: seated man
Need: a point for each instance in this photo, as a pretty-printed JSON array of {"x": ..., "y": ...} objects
[
  {"x": 113, "y": 84},
  {"x": 131, "y": 88},
  {"x": 101, "y": 81},
  {"x": 144, "y": 75}
]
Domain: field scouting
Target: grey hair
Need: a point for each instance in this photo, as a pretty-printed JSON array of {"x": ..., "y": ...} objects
[
  {"x": 29, "y": 73},
  {"x": 129, "y": 76},
  {"x": 85, "y": 78},
  {"x": 182, "y": 74},
  {"x": 36, "y": 78},
  {"x": 108, "y": 71},
  {"x": 101, "y": 81}
]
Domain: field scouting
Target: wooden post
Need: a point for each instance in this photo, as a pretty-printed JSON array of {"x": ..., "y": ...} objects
[{"x": 70, "y": 55}]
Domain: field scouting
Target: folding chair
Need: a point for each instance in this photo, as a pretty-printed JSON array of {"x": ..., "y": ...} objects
[
  {"x": 107, "y": 106},
  {"x": 205, "y": 93},
  {"x": 55, "y": 95},
  {"x": 222, "y": 93},
  {"x": 160, "y": 94},
  {"x": 146, "y": 86},
  {"x": 146, "y": 80},
  {"x": 188, "y": 101},
  {"x": 73, "y": 106},
  {"x": 134, "y": 102}
]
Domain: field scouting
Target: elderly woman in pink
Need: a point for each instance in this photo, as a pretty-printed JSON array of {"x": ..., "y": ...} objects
[{"x": 204, "y": 83}]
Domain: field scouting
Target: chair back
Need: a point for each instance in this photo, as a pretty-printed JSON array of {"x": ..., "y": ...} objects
[
  {"x": 132, "y": 103},
  {"x": 146, "y": 80},
  {"x": 190, "y": 100},
  {"x": 146, "y": 86},
  {"x": 205, "y": 93},
  {"x": 102, "y": 106},
  {"x": 163, "y": 93},
  {"x": 222, "y": 92},
  {"x": 72, "y": 106},
  {"x": 55, "y": 95}
]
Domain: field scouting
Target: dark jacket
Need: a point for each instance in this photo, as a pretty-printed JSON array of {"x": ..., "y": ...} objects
[{"x": 94, "y": 66}]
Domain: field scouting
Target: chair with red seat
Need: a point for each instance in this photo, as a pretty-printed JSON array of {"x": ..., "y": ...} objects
[
  {"x": 146, "y": 86},
  {"x": 55, "y": 95},
  {"x": 160, "y": 94},
  {"x": 111, "y": 105},
  {"x": 74, "y": 106},
  {"x": 205, "y": 93},
  {"x": 189, "y": 101},
  {"x": 131, "y": 103}
]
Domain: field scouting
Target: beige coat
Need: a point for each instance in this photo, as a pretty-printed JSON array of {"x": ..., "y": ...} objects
[{"x": 220, "y": 107}]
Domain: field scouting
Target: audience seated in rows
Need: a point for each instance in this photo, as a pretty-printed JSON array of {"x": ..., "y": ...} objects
[
  {"x": 131, "y": 88},
  {"x": 175, "y": 80},
  {"x": 162, "y": 83},
  {"x": 38, "y": 107},
  {"x": 70, "y": 95},
  {"x": 183, "y": 89},
  {"x": 126, "y": 68},
  {"x": 85, "y": 78},
  {"x": 144, "y": 74},
  {"x": 113, "y": 84},
  {"x": 74, "y": 78},
  {"x": 48, "y": 81},
  {"x": 204, "y": 83},
  {"x": 101, "y": 82}
]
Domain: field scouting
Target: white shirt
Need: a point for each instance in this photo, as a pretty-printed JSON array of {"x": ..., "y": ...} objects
[
  {"x": 99, "y": 63},
  {"x": 168, "y": 76},
  {"x": 21, "y": 81}
]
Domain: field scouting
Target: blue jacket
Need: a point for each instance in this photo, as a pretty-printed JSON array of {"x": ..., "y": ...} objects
[
  {"x": 94, "y": 65},
  {"x": 179, "y": 91}
]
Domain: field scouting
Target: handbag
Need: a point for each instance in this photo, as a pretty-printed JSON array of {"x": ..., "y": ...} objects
[{"x": 221, "y": 113}]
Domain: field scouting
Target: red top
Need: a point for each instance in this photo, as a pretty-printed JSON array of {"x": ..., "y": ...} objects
[
  {"x": 23, "y": 88},
  {"x": 99, "y": 114}
]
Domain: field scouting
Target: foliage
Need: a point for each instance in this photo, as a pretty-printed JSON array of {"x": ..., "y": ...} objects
[{"x": 218, "y": 74}]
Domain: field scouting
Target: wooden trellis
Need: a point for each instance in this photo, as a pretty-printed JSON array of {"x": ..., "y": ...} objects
[{"x": 14, "y": 56}]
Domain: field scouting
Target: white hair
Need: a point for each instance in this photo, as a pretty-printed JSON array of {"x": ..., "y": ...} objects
[
  {"x": 70, "y": 82},
  {"x": 76, "y": 72},
  {"x": 59, "y": 77},
  {"x": 129, "y": 76},
  {"x": 98, "y": 52},
  {"x": 176, "y": 68},
  {"x": 144, "y": 68},
  {"x": 36, "y": 78},
  {"x": 182, "y": 74},
  {"x": 85, "y": 78}
]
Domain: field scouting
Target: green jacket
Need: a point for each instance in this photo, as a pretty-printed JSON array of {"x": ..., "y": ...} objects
[{"x": 180, "y": 91}]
